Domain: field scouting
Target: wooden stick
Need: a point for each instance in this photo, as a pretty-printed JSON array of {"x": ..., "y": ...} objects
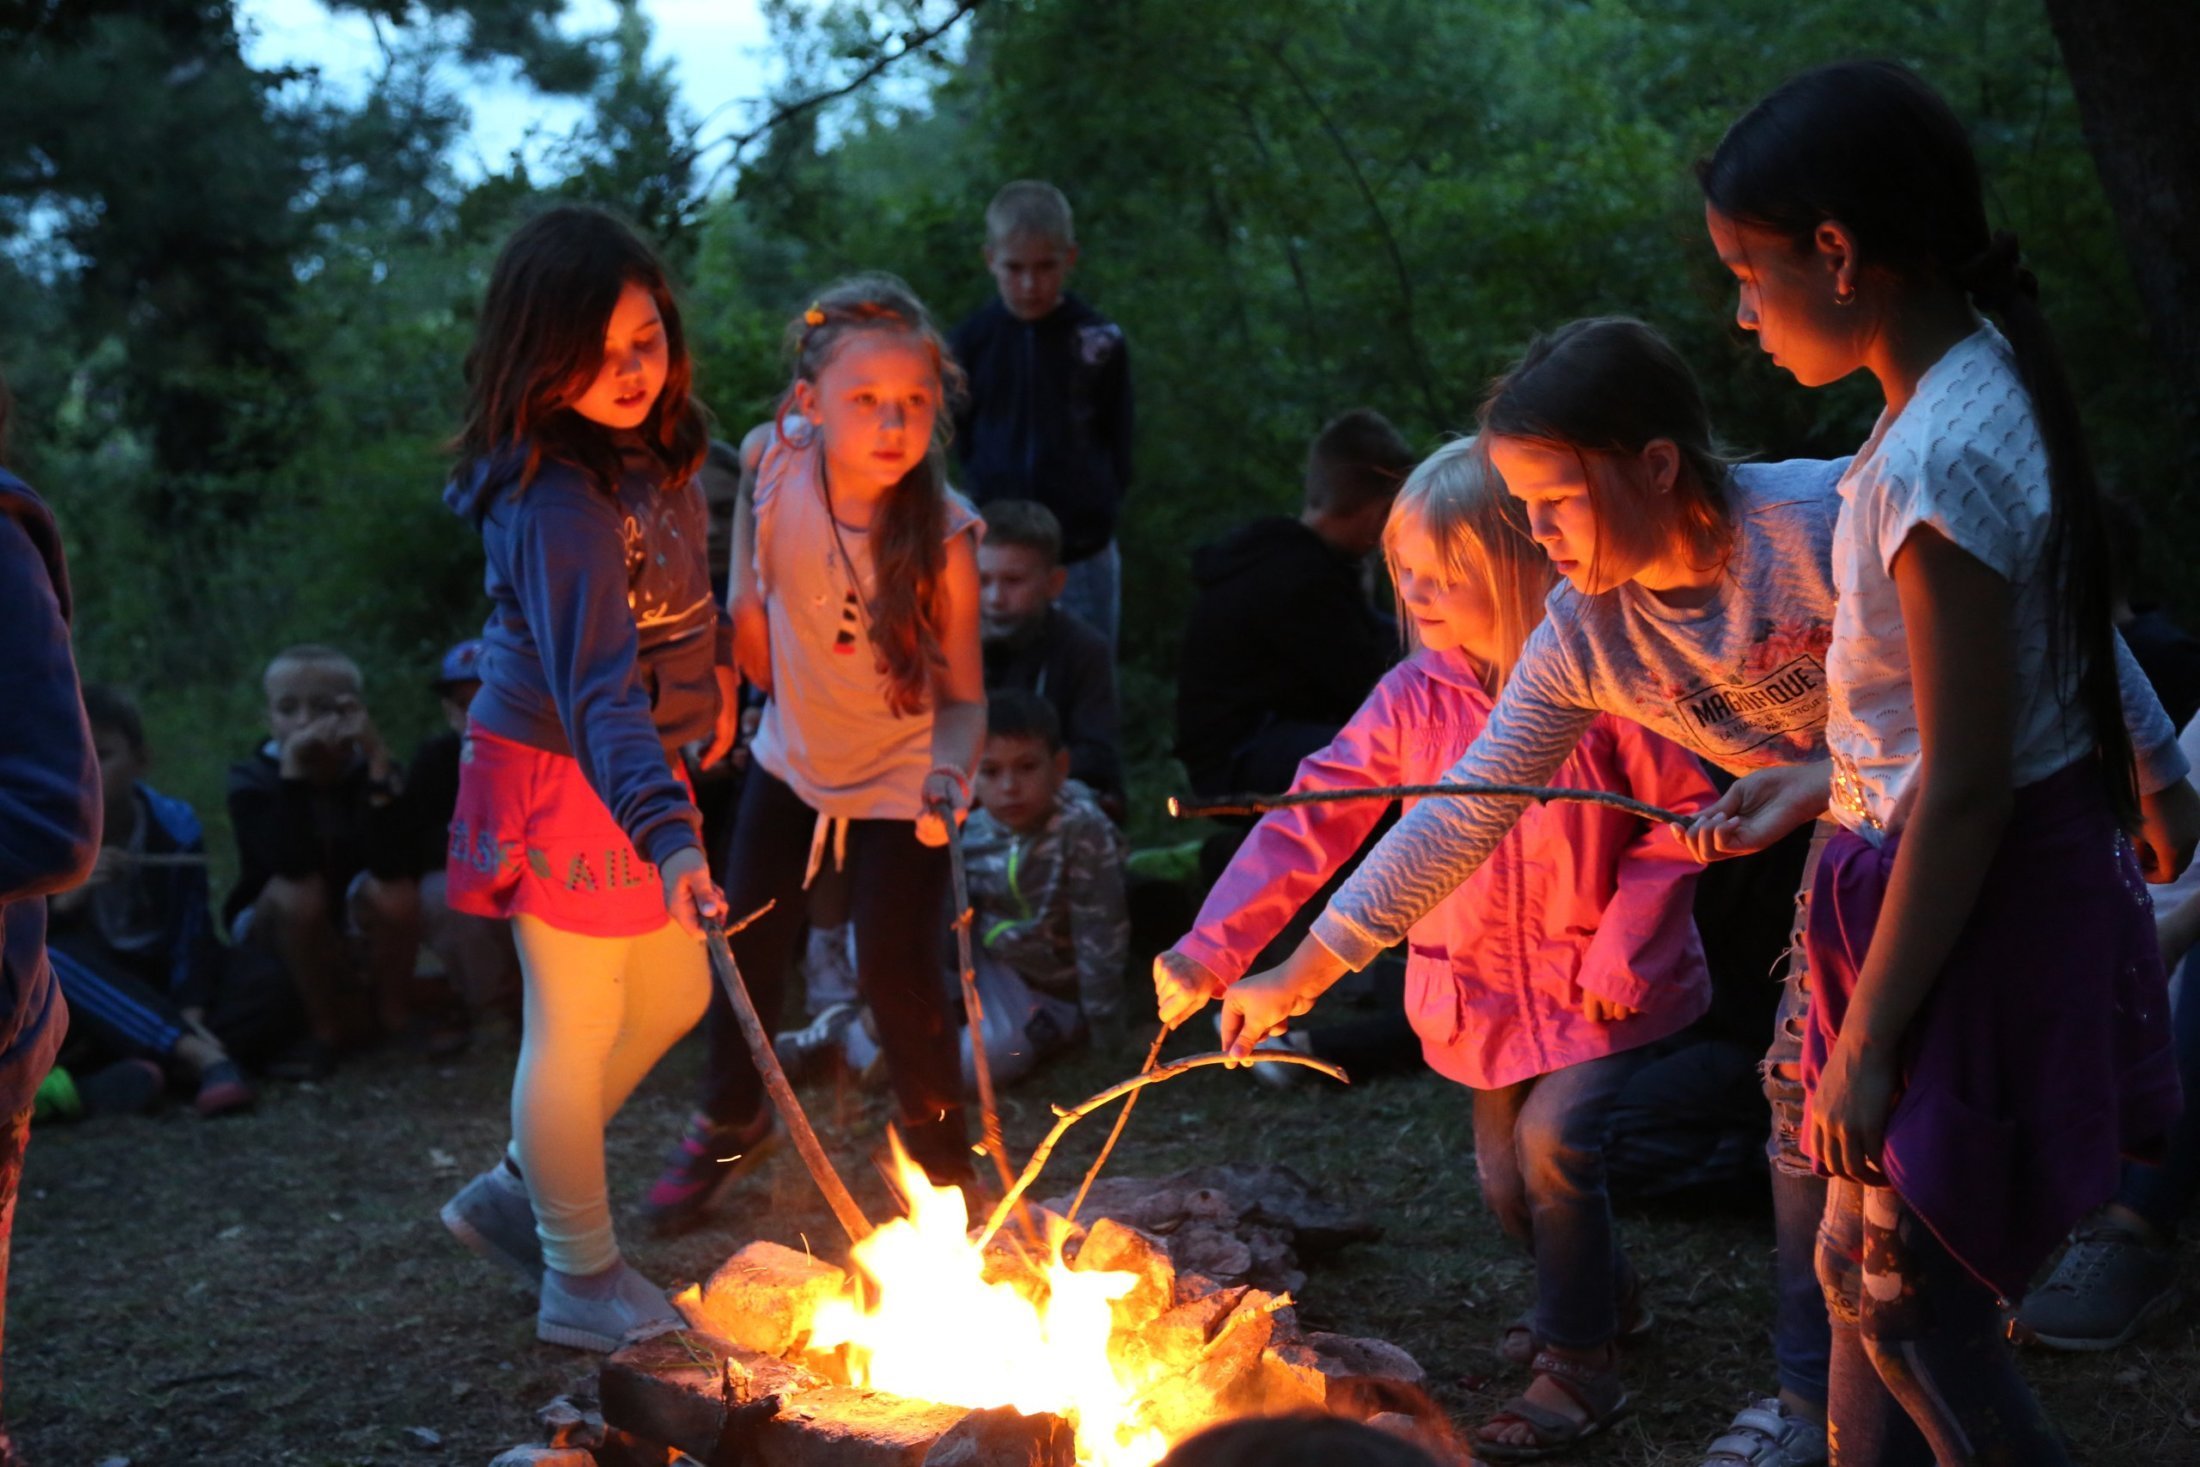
[
  {"x": 1122, "y": 1119},
  {"x": 1256, "y": 804},
  {"x": 974, "y": 1007},
  {"x": 852, "y": 1220},
  {"x": 1067, "y": 1118}
]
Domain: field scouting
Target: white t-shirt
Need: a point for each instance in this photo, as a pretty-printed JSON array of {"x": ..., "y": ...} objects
[
  {"x": 827, "y": 732},
  {"x": 1964, "y": 456}
]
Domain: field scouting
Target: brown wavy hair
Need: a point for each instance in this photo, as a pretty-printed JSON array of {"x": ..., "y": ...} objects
[
  {"x": 538, "y": 345},
  {"x": 908, "y": 540}
]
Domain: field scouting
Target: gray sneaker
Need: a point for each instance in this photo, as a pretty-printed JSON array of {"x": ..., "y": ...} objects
[
  {"x": 492, "y": 1216},
  {"x": 806, "y": 1049},
  {"x": 2108, "y": 1286},
  {"x": 1767, "y": 1434},
  {"x": 634, "y": 1303}
]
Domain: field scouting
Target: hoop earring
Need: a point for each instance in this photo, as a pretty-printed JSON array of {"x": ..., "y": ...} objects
[{"x": 1844, "y": 295}]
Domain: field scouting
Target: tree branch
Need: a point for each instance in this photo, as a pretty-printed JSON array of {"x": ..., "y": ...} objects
[{"x": 911, "y": 41}]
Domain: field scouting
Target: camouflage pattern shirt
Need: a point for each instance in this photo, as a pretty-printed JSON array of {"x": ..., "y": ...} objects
[{"x": 1050, "y": 904}]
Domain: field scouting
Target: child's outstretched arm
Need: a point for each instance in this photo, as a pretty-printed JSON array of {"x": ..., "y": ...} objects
[
  {"x": 958, "y": 696},
  {"x": 1289, "y": 854},
  {"x": 1956, "y": 612}
]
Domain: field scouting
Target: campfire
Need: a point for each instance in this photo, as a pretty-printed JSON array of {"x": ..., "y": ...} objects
[{"x": 1100, "y": 1346}]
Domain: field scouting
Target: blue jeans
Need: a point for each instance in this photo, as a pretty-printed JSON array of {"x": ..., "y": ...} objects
[
  {"x": 1921, "y": 1372},
  {"x": 2163, "y": 1193},
  {"x": 1539, "y": 1152},
  {"x": 1094, "y": 592}
]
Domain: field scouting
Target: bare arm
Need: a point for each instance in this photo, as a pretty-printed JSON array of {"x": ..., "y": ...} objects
[
  {"x": 958, "y": 691},
  {"x": 751, "y": 632},
  {"x": 1956, "y": 612}
]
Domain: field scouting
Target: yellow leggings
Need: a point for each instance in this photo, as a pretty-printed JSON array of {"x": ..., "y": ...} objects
[{"x": 600, "y": 1012}]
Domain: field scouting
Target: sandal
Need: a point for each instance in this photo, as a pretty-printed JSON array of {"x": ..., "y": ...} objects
[
  {"x": 1595, "y": 1389},
  {"x": 1517, "y": 1344}
]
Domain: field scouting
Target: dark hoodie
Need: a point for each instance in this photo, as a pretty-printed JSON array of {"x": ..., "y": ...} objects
[
  {"x": 1281, "y": 632},
  {"x": 49, "y": 786},
  {"x": 1048, "y": 416},
  {"x": 604, "y": 633}
]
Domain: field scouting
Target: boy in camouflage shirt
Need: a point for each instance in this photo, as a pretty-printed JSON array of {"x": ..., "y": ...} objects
[{"x": 1050, "y": 931}]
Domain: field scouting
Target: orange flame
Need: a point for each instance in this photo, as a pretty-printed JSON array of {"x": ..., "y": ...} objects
[{"x": 941, "y": 1331}]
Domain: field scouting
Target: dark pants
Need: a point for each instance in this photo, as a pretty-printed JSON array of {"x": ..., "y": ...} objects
[
  {"x": 898, "y": 906},
  {"x": 116, "y": 1012},
  {"x": 1539, "y": 1153},
  {"x": 15, "y": 1134},
  {"x": 2163, "y": 1193},
  {"x": 1921, "y": 1372},
  {"x": 1691, "y": 1120}
]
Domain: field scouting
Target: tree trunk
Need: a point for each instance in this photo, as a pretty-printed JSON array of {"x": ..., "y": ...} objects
[{"x": 2130, "y": 64}]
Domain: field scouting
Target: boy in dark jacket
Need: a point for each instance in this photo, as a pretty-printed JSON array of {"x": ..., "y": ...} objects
[
  {"x": 1048, "y": 416},
  {"x": 134, "y": 947},
  {"x": 1284, "y": 641},
  {"x": 325, "y": 868},
  {"x": 1038, "y": 647},
  {"x": 49, "y": 816}
]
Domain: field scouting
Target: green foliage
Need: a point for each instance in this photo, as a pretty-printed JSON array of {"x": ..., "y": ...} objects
[{"x": 243, "y": 306}]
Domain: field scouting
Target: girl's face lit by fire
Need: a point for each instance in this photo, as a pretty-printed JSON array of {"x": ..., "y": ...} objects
[
  {"x": 874, "y": 403},
  {"x": 1448, "y": 609},
  {"x": 1552, "y": 485},
  {"x": 636, "y": 359},
  {"x": 1800, "y": 304}
]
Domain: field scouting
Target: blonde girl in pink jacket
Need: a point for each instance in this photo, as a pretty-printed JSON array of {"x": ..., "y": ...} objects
[{"x": 1537, "y": 982}]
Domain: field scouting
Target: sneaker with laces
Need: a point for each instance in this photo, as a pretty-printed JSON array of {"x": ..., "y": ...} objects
[
  {"x": 702, "y": 1165},
  {"x": 492, "y": 1216},
  {"x": 600, "y": 1311},
  {"x": 802, "y": 1051},
  {"x": 2108, "y": 1286},
  {"x": 1766, "y": 1434}
]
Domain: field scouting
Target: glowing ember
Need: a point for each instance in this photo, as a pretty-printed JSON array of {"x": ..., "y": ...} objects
[{"x": 941, "y": 1332}]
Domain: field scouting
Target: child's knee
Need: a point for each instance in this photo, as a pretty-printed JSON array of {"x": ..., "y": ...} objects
[
  {"x": 290, "y": 903},
  {"x": 386, "y": 904}
]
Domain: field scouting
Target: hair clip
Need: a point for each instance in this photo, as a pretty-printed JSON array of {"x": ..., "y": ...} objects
[{"x": 814, "y": 316}]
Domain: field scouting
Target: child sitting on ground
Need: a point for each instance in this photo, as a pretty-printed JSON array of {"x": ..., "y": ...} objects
[
  {"x": 1032, "y": 644},
  {"x": 1048, "y": 929},
  {"x": 134, "y": 947},
  {"x": 323, "y": 880}
]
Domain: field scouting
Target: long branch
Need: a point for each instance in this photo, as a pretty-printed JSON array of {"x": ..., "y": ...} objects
[
  {"x": 1255, "y": 804},
  {"x": 1064, "y": 1119},
  {"x": 911, "y": 42}
]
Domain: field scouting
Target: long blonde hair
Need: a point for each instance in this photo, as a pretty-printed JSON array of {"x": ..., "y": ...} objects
[{"x": 1479, "y": 532}]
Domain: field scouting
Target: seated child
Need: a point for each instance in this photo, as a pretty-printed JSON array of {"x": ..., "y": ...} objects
[
  {"x": 324, "y": 879},
  {"x": 475, "y": 953},
  {"x": 1032, "y": 644},
  {"x": 1049, "y": 928},
  {"x": 134, "y": 947}
]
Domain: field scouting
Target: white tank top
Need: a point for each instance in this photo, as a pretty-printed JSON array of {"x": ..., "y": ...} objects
[{"x": 827, "y": 731}]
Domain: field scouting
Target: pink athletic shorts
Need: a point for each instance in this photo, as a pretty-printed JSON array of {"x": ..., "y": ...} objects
[{"x": 530, "y": 836}]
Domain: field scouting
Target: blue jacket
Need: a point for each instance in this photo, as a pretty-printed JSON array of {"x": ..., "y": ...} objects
[
  {"x": 185, "y": 962},
  {"x": 604, "y": 634},
  {"x": 49, "y": 786},
  {"x": 1048, "y": 417}
]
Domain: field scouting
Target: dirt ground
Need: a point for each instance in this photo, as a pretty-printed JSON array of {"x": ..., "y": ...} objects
[{"x": 275, "y": 1288}]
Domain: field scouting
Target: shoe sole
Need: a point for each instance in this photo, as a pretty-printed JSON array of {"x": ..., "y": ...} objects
[
  {"x": 2160, "y": 1306},
  {"x": 575, "y": 1339},
  {"x": 671, "y": 1222},
  {"x": 483, "y": 1247}
]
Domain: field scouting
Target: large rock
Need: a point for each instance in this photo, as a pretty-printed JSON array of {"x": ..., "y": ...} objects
[
  {"x": 763, "y": 1298},
  {"x": 1113, "y": 1247},
  {"x": 1005, "y": 1437},
  {"x": 1345, "y": 1357}
]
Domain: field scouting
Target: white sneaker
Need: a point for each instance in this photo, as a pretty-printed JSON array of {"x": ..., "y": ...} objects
[
  {"x": 634, "y": 1303},
  {"x": 1766, "y": 1434}
]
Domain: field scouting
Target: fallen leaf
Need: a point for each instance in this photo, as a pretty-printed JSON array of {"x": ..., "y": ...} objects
[
  {"x": 2130, "y": 1375},
  {"x": 425, "y": 1437},
  {"x": 234, "y": 1230},
  {"x": 441, "y": 1160}
]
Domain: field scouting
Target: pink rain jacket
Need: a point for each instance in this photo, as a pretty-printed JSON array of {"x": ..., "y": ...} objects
[{"x": 1578, "y": 897}]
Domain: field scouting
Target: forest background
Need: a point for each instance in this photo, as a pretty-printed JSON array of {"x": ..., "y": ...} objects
[{"x": 234, "y": 304}]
